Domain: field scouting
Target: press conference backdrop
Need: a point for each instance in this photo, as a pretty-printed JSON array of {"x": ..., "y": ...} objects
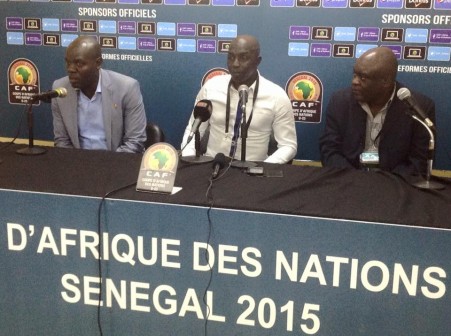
[{"x": 171, "y": 46}]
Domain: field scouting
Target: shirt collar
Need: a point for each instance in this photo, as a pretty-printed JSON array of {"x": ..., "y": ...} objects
[
  {"x": 99, "y": 86},
  {"x": 251, "y": 87}
]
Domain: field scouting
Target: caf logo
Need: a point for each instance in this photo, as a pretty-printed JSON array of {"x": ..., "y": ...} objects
[
  {"x": 304, "y": 86},
  {"x": 160, "y": 157},
  {"x": 23, "y": 81},
  {"x": 305, "y": 92},
  {"x": 23, "y": 72}
]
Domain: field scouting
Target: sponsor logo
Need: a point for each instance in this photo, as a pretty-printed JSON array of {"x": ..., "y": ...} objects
[
  {"x": 248, "y": 2},
  {"x": 108, "y": 41},
  {"x": 343, "y": 50},
  {"x": 423, "y": 4},
  {"x": 392, "y": 34},
  {"x": 321, "y": 33},
  {"x": 362, "y": 4},
  {"x": 52, "y": 40},
  {"x": 147, "y": 43},
  {"x": 368, "y": 34},
  {"x": 127, "y": 27},
  {"x": 146, "y": 28},
  {"x": 440, "y": 36},
  {"x": 88, "y": 26},
  {"x": 321, "y": 50},
  {"x": 32, "y": 24},
  {"x": 206, "y": 46},
  {"x": 186, "y": 29},
  {"x": 198, "y": 2},
  {"x": 223, "y": 46},
  {"x": 308, "y": 3},
  {"x": 14, "y": 23},
  {"x": 206, "y": 30},
  {"x": 442, "y": 4},
  {"x": 166, "y": 44},
  {"x": 69, "y": 25},
  {"x": 414, "y": 52}
]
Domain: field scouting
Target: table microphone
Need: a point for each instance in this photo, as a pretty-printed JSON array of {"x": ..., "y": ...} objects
[
  {"x": 243, "y": 92},
  {"x": 202, "y": 112},
  {"x": 218, "y": 163},
  {"x": 47, "y": 96},
  {"x": 405, "y": 95}
]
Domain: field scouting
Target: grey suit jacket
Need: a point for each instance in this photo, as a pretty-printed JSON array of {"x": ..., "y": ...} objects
[{"x": 123, "y": 113}]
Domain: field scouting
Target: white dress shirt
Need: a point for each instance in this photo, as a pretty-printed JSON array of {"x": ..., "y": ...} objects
[{"x": 272, "y": 114}]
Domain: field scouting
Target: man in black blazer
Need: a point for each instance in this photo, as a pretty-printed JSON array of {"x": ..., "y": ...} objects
[{"x": 369, "y": 118}]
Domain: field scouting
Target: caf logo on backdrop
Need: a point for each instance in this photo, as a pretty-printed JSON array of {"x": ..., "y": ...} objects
[
  {"x": 305, "y": 91},
  {"x": 23, "y": 79}
]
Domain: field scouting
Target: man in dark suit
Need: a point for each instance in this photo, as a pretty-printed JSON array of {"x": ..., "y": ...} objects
[
  {"x": 369, "y": 118},
  {"x": 103, "y": 109}
]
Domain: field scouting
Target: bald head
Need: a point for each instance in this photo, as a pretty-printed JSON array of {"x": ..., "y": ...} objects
[
  {"x": 382, "y": 61},
  {"x": 247, "y": 41},
  {"x": 88, "y": 45}
]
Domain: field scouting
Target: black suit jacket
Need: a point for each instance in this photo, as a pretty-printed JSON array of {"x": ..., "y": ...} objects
[{"x": 403, "y": 146}]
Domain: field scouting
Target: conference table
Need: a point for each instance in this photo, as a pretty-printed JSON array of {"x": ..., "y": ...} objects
[{"x": 301, "y": 250}]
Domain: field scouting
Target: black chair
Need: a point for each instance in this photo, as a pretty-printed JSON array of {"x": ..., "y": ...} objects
[{"x": 154, "y": 134}]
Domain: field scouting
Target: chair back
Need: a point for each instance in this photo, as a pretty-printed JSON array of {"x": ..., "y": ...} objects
[{"x": 154, "y": 135}]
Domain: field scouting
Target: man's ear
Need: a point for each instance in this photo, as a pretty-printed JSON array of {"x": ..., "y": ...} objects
[
  {"x": 99, "y": 62},
  {"x": 259, "y": 60}
]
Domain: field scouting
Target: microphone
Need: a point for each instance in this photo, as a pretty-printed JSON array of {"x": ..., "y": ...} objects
[
  {"x": 405, "y": 95},
  {"x": 243, "y": 92},
  {"x": 202, "y": 112},
  {"x": 47, "y": 96},
  {"x": 218, "y": 163}
]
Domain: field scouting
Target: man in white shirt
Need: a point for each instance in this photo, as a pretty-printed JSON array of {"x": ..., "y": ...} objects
[{"x": 268, "y": 110}]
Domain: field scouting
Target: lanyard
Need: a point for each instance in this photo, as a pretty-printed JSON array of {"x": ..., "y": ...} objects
[{"x": 228, "y": 105}]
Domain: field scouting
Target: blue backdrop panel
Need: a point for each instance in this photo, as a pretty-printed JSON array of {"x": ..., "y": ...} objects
[
  {"x": 295, "y": 36},
  {"x": 271, "y": 274}
]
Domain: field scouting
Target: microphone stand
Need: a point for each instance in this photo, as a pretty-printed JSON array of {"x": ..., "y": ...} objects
[
  {"x": 427, "y": 183},
  {"x": 244, "y": 128},
  {"x": 31, "y": 150},
  {"x": 198, "y": 158}
]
